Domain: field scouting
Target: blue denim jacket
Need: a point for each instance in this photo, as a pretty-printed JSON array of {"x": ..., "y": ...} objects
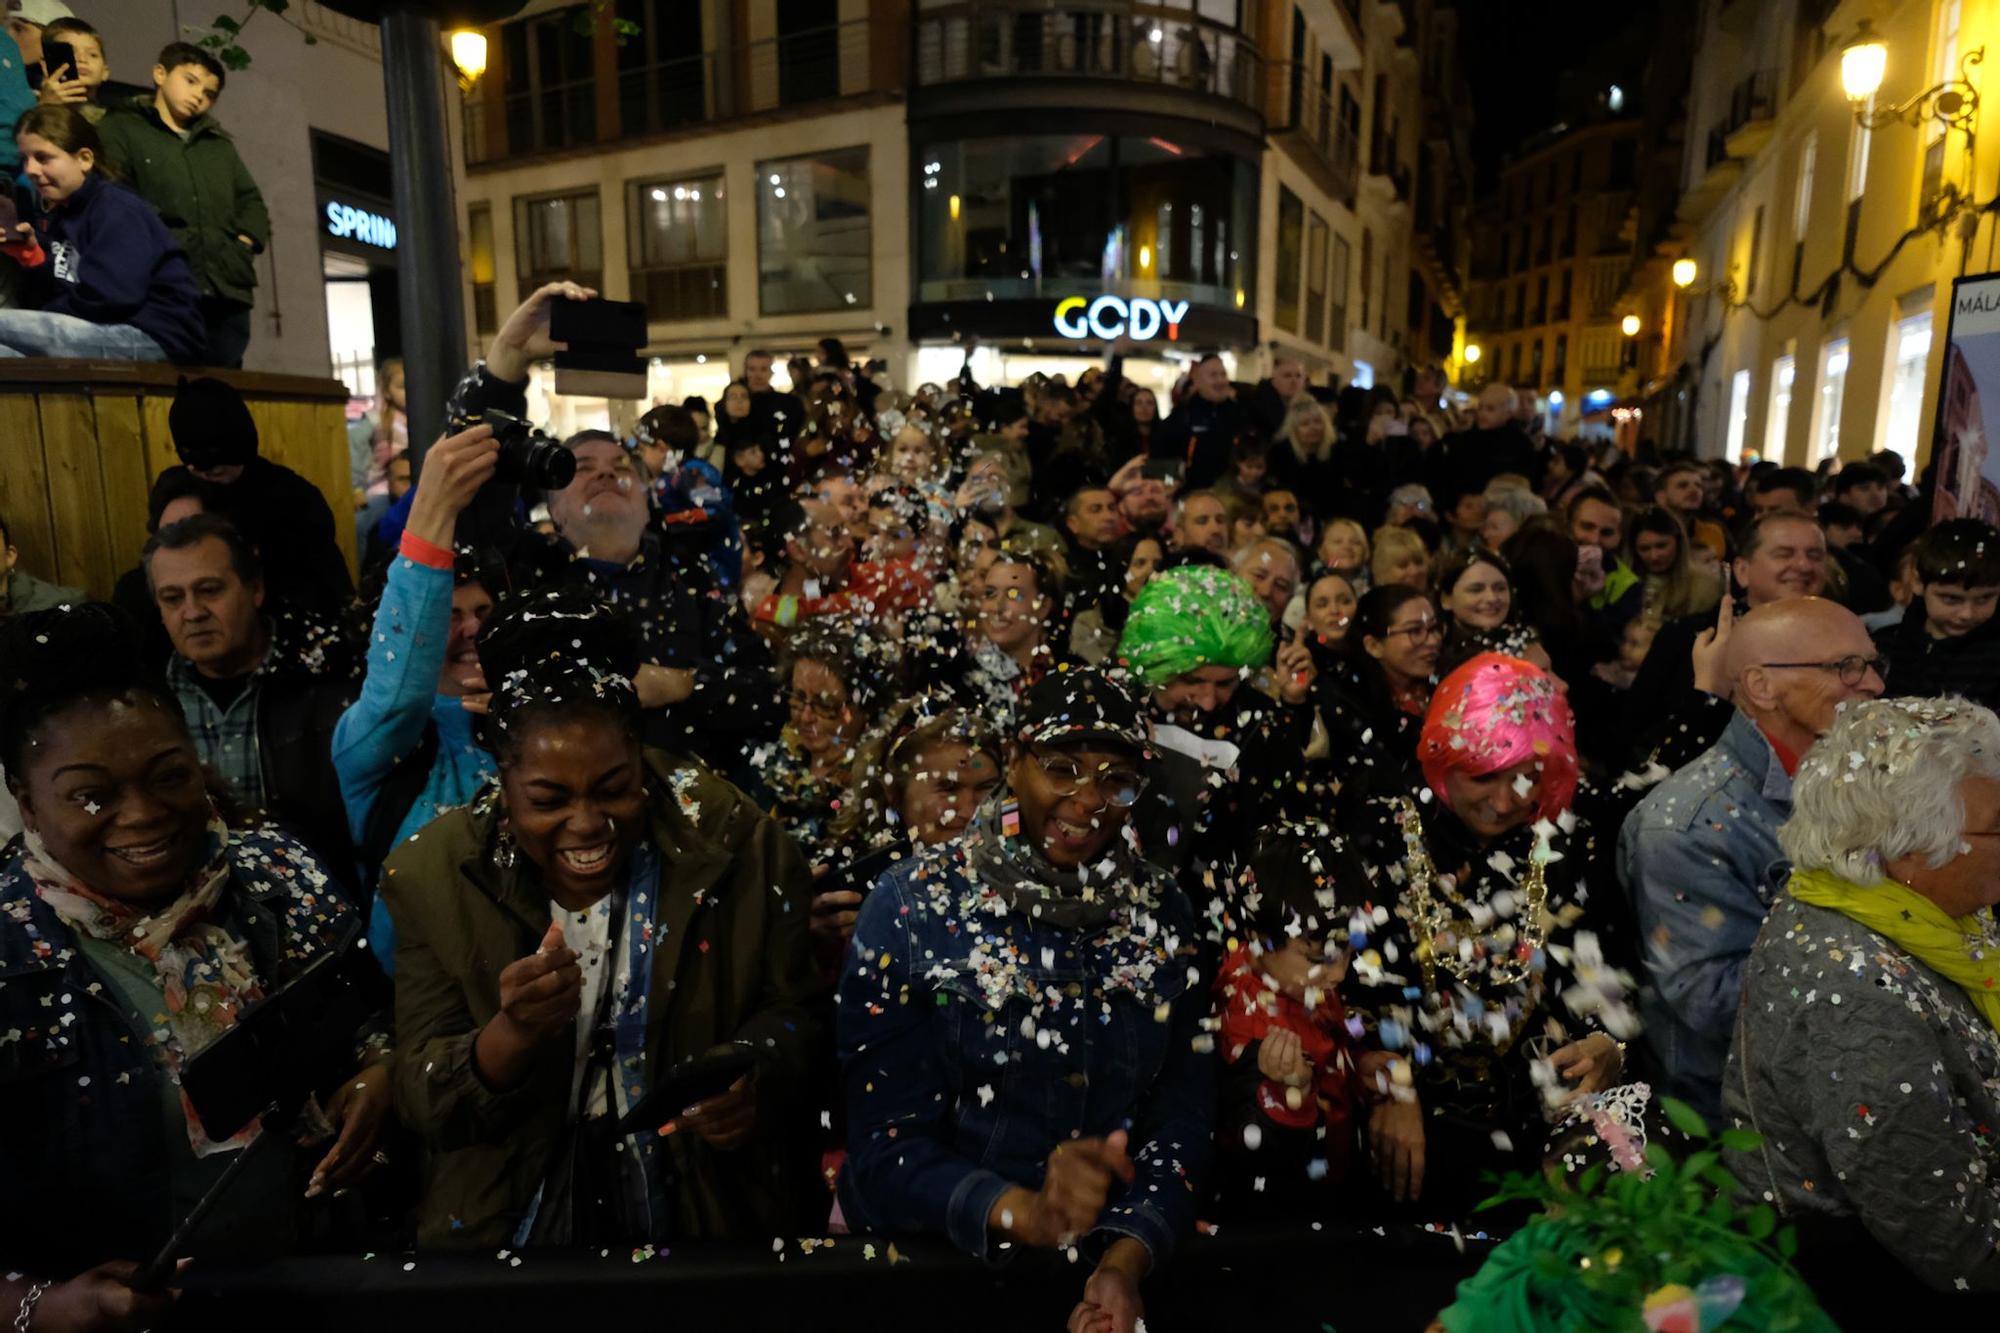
[
  {"x": 974, "y": 1040},
  {"x": 1700, "y": 858}
]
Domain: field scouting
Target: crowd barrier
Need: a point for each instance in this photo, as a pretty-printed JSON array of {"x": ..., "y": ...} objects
[
  {"x": 1270, "y": 1276},
  {"x": 81, "y": 441}
]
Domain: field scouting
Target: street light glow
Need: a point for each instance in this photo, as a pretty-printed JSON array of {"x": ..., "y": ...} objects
[
  {"x": 468, "y": 52},
  {"x": 1862, "y": 64},
  {"x": 1472, "y": 353},
  {"x": 1631, "y": 326},
  {"x": 1684, "y": 272}
]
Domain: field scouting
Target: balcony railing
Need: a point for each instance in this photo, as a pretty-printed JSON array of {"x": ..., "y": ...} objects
[
  {"x": 683, "y": 291},
  {"x": 1151, "y": 44},
  {"x": 775, "y": 74},
  {"x": 1305, "y": 110},
  {"x": 1755, "y": 98}
]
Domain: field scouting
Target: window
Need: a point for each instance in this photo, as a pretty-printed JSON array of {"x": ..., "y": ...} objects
[
  {"x": 1163, "y": 240},
  {"x": 1557, "y": 371},
  {"x": 550, "y": 88},
  {"x": 1858, "y": 140},
  {"x": 1947, "y": 57},
  {"x": 1910, "y": 352},
  {"x": 1802, "y": 199},
  {"x": 1535, "y": 363},
  {"x": 1756, "y": 254},
  {"x": 677, "y": 241},
  {"x": 1826, "y": 408},
  {"x": 1337, "y": 317},
  {"x": 1739, "y": 414},
  {"x": 813, "y": 246},
  {"x": 1315, "y": 329},
  {"x": 558, "y": 237},
  {"x": 1561, "y": 312},
  {"x": 1291, "y": 228},
  {"x": 479, "y": 237},
  {"x": 1780, "y": 416},
  {"x": 1367, "y": 272}
]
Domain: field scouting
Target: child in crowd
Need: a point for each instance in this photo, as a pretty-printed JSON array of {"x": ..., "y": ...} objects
[
  {"x": 1949, "y": 641},
  {"x": 1252, "y": 463},
  {"x": 103, "y": 274},
  {"x": 75, "y": 82},
  {"x": 180, "y": 160},
  {"x": 1285, "y": 1127},
  {"x": 1633, "y": 646}
]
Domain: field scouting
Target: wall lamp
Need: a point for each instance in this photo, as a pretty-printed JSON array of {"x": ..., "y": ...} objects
[{"x": 1863, "y": 62}]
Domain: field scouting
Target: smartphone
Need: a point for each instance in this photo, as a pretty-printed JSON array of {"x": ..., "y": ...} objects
[
  {"x": 56, "y": 55},
  {"x": 1162, "y": 469},
  {"x": 10, "y": 216},
  {"x": 689, "y": 1082}
]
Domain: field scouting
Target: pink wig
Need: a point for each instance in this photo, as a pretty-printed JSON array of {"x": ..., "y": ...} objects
[{"x": 1494, "y": 712}]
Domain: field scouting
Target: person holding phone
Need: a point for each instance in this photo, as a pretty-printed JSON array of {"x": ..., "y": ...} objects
[
  {"x": 73, "y": 54},
  {"x": 139, "y": 927},
  {"x": 598, "y": 918}
]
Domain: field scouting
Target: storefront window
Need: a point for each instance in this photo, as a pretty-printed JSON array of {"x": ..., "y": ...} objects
[
  {"x": 813, "y": 233},
  {"x": 678, "y": 241},
  {"x": 1038, "y": 215}
]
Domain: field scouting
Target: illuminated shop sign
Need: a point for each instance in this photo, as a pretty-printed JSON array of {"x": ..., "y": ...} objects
[
  {"x": 354, "y": 224},
  {"x": 1141, "y": 318}
]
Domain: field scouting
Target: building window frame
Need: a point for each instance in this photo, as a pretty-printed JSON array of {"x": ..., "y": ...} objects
[
  {"x": 1778, "y": 418},
  {"x": 530, "y": 234},
  {"x": 772, "y": 175},
  {"x": 694, "y": 285}
]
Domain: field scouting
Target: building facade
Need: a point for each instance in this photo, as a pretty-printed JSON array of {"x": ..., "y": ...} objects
[
  {"x": 931, "y": 179},
  {"x": 1825, "y": 251},
  {"x": 1552, "y": 251}
]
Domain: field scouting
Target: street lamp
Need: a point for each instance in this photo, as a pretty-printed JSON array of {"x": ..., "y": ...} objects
[
  {"x": 1472, "y": 354},
  {"x": 468, "y": 53},
  {"x": 1630, "y": 325},
  {"x": 1952, "y": 102},
  {"x": 1684, "y": 272}
]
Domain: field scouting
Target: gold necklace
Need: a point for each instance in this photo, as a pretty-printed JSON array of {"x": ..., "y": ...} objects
[{"x": 1438, "y": 931}]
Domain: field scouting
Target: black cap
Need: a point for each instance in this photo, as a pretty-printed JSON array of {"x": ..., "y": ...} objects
[
  {"x": 1078, "y": 705},
  {"x": 211, "y": 425}
]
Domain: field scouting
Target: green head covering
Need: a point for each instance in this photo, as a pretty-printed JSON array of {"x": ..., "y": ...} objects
[{"x": 1191, "y": 617}]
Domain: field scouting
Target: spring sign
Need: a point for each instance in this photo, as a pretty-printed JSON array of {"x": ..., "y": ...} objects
[{"x": 1140, "y": 318}]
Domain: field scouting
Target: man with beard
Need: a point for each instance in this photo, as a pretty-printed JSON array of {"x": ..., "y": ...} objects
[{"x": 1224, "y": 751}]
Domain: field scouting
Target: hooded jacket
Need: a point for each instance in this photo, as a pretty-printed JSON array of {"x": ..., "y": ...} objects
[{"x": 200, "y": 186}]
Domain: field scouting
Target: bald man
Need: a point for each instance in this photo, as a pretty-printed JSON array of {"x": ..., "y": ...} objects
[
  {"x": 1466, "y": 460},
  {"x": 1699, "y": 855}
]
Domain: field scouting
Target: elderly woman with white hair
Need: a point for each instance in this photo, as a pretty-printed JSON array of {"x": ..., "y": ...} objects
[{"x": 1867, "y": 1048}]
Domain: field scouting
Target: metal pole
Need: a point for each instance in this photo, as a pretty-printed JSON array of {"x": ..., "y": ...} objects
[{"x": 428, "y": 284}]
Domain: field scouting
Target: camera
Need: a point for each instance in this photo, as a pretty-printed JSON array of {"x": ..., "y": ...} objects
[{"x": 528, "y": 456}]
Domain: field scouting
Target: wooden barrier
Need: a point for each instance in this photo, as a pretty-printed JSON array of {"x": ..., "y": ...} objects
[{"x": 81, "y": 441}]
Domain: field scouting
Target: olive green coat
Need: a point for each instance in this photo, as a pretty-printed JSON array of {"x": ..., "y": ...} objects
[{"x": 731, "y": 962}]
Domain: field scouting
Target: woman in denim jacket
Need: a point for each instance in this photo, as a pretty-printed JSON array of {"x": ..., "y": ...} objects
[{"x": 1021, "y": 1020}]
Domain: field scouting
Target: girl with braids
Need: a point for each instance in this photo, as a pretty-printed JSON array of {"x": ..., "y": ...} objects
[
  {"x": 652, "y": 915},
  {"x": 136, "y": 928}
]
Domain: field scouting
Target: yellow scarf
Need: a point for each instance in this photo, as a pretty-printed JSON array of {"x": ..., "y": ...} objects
[{"x": 1962, "y": 949}]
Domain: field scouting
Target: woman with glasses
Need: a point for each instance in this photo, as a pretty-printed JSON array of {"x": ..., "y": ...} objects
[
  {"x": 1463, "y": 912},
  {"x": 1373, "y": 700},
  {"x": 1019, "y": 1029},
  {"x": 837, "y": 676},
  {"x": 1866, "y": 1051}
]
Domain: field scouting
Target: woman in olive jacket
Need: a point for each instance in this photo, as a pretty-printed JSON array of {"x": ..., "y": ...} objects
[{"x": 600, "y": 917}]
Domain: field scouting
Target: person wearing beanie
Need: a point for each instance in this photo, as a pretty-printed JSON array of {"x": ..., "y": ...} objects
[
  {"x": 984, "y": 1104},
  {"x": 280, "y": 513}
]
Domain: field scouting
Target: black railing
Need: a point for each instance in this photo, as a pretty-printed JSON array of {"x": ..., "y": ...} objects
[
  {"x": 1755, "y": 98},
  {"x": 1307, "y": 111},
  {"x": 683, "y": 291},
  {"x": 1023, "y": 39}
]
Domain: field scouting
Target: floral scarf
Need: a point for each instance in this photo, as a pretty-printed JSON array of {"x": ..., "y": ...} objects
[{"x": 205, "y": 973}]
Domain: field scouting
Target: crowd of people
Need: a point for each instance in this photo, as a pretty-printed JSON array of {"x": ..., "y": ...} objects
[
  {"x": 1039, "y": 816},
  {"x": 133, "y": 226}
]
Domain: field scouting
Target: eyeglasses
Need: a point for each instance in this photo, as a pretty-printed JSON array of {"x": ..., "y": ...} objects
[
  {"x": 1852, "y": 669},
  {"x": 1419, "y": 632},
  {"x": 1120, "y": 787},
  {"x": 825, "y": 705},
  {"x": 994, "y": 596}
]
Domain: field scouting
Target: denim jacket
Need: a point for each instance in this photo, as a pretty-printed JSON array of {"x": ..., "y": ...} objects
[
  {"x": 1700, "y": 858},
  {"x": 974, "y": 1040},
  {"x": 80, "y": 1128}
]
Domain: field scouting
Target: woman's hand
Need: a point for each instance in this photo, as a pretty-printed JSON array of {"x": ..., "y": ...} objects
[
  {"x": 358, "y": 1110},
  {"x": 725, "y": 1120},
  {"x": 1593, "y": 1063},
  {"x": 1111, "y": 1301},
  {"x": 1281, "y": 1057},
  {"x": 454, "y": 470},
  {"x": 1295, "y": 672},
  {"x": 833, "y": 916},
  {"x": 102, "y": 1300},
  {"x": 1711, "y": 653},
  {"x": 1072, "y": 1195},
  {"x": 525, "y": 335},
  {"x": 1396, "y": 1138},
  {"x": 660, "y": 687},
  {"x": 540, "y": 996}
]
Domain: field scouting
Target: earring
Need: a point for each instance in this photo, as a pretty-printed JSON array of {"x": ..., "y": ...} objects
[{"x": 503, "y": 846}]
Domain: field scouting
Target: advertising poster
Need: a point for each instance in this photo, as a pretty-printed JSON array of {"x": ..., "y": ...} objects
[{"x": 1968, "y": 465}]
